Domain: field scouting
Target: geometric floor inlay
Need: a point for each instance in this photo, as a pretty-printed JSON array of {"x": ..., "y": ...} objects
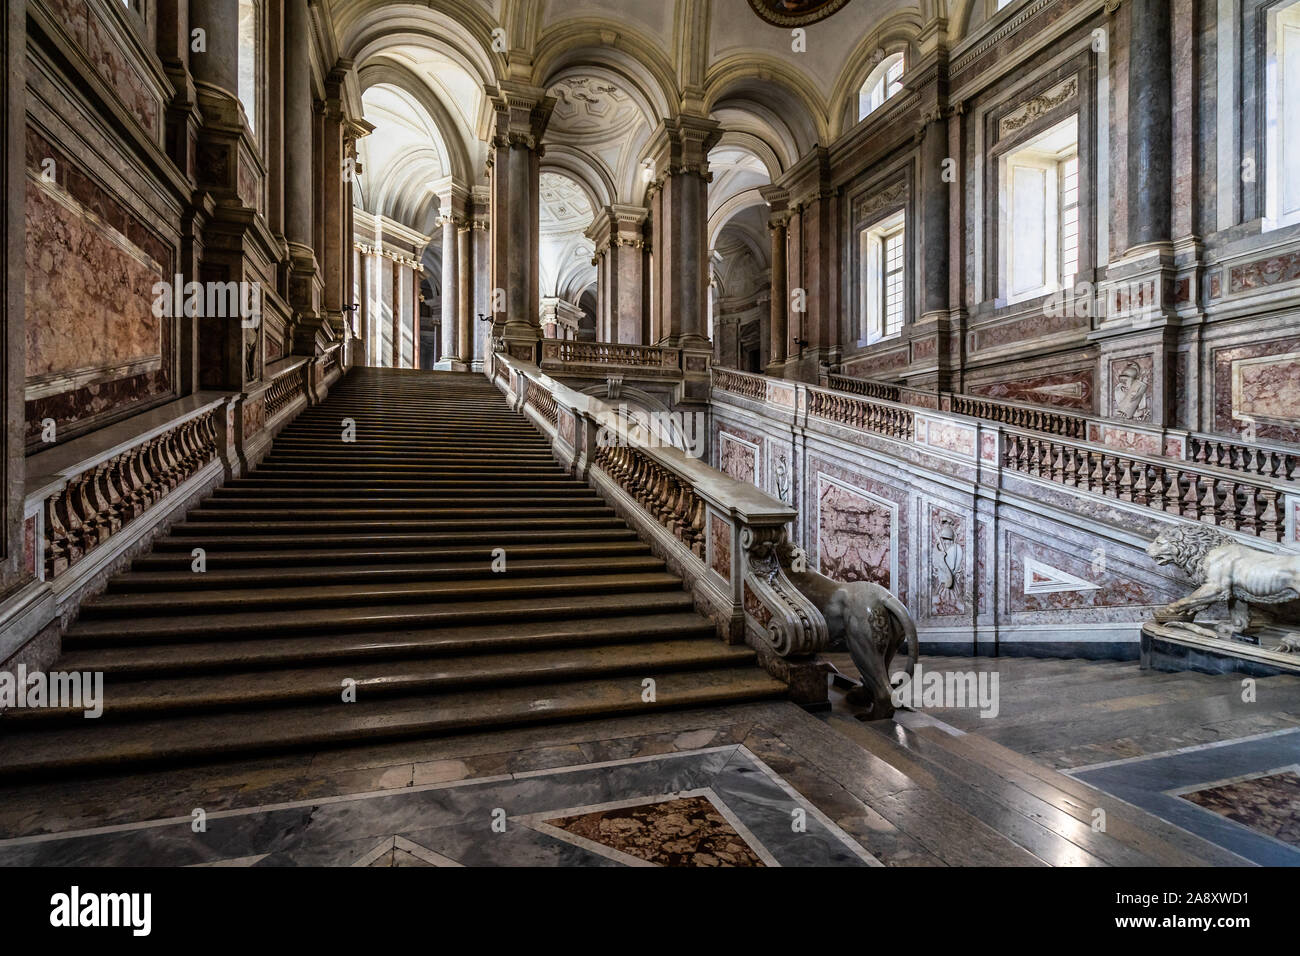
[
  {"x": 1242, "y": 795},
  {"x": 714, "y": 806},
  {"x": 683, "y": 831},
  {"x": 1268, "y": 803}
]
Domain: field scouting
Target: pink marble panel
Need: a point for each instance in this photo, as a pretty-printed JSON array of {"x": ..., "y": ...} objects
[
  {"x": 737, "y": 459},
  {"x": 1141, "y": 443},
  {"x": 720, "y": 545},
  {"x": 854, "y": 536},
  {"x": 89, "y": 296},
  {"x": 1072, "y": 390},
  {"x": 950, "y": 437}
]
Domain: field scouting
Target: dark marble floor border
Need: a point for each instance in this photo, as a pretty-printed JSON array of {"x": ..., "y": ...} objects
[{"x": 1155, "y": 783}]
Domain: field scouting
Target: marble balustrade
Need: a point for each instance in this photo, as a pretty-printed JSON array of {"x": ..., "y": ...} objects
[
  {"x": 998, "y": 538},
  {"x": 716, "y": 532}
]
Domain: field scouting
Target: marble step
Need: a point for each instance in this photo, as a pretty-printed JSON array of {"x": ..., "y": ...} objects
[
  {"x": 116, "y": 631},
  {"x": 1050, "y": 834},
  {"x": 396, "y": 526},
  {"x": 432, "y": 559},
  {"x": 246, "y": 540},
  {"x": 274, "y": 511},
  {"x": 190, "y": 600},
  {"x": 210, "y": 737},
  {"x": 178, "y": 697},
  {"x": 279, "y": 577},
  {"x": 282, "y": 498},
  {"x": 273, "y": 651}
]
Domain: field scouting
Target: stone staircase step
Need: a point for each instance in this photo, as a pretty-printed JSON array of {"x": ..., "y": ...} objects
[
  {"x": 312, "y": 558},
  {"x": 183, "y": 696},
  {"x": 275, "y": 577},
  {"x": 213, "y": 736},
  {"x": 235, "y": 626},
  {"x": 192, "y": 600},
  {"x": 199, "y": 657}
]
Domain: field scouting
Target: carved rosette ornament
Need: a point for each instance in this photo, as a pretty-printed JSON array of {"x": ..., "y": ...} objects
[{"x": 795, "y": 627}]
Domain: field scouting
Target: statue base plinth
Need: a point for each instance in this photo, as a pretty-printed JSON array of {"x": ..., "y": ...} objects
[{"x": 1176, "y": 646}]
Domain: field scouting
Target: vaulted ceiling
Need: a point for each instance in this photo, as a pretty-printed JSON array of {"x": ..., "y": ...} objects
[{"x": 616, "y": 68}]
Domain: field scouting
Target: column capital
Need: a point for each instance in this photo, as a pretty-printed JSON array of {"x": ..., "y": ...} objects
[
  {"x": 520, "y": 113},
  {"x": 681, "y": 144},
  {"x": 453, "y": 198},
  {"x": 618, "y": 225}
]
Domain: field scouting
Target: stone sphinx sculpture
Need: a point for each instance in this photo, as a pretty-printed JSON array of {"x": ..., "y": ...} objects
[
  {"x": 1261, "y": 588},
  {"x": 872, "y": 623}
]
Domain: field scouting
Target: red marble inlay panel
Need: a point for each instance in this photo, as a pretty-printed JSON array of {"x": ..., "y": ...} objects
[
  {"x": 756, "y": 608},
  {"x": 1073, "y": 390},
  {"x": 737, "y": 459},
  {"x": 1265, "y": 272},
  {"x": 720, "y": 546},
  {"x": 1224, "y": 420}
]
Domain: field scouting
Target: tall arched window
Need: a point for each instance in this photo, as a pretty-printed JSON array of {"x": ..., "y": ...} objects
[
  {"x": 250, "y": 30},
  {"x": 885, "y": 80}
]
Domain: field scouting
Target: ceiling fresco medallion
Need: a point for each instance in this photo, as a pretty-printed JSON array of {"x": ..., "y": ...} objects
[{"x": 795, "y": 13}]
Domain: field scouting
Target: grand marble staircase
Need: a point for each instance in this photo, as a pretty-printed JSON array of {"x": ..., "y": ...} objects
[{"x": 369, "y": 564}]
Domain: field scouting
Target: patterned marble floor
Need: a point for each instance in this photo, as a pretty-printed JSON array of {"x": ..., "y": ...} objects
[
  {"x": 718, "y": 806},
  {"x": 1243, "y": 795},
  {"x": 763, "y": 784}
]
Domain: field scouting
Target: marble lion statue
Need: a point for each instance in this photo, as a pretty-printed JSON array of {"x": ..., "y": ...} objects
[
  {"x": 1258, "y": 586},
  {"x": 872, "y": 623}
]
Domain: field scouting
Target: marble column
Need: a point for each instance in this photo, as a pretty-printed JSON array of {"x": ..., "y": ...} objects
[
  {"x": 18, "y": 563},
  {"x": 217, "y": 66},
  {"x": 1150, "y": 123},
  {"x": 521, "y": 113},
  {"x": 480, "y": 247},
  {"x": 678, "y": 152},
  {"x": 617, "y": 235},
  {"x": 465, "y": 300},
  {"x": 299, "y": 200},
  {"x": 779, "y": 304},
  {"x": 452, "y": 197}
]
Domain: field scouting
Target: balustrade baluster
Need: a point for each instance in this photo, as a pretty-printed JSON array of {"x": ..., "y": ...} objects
[{"x": 1268, "y": 516}]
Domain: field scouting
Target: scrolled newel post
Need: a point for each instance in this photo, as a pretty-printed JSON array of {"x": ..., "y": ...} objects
[{"x": 782, "y": 624}]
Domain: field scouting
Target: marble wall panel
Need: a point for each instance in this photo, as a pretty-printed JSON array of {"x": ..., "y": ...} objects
[
  {"x": 1074, "y": 390},
  {"x": 948, "y": 563},
  {"x": 1268, "y": 391},
  {"x": 1089, "y": 575},
  {"x": 856, "y": 532},
  {"x": 738, "y": 456}
]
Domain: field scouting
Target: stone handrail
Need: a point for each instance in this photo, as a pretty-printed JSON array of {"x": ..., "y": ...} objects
[
  {"x": 1198, "y": 492},
  {"x": 288, "y": 384},
  {"x": 1251, "y": 503},
  {"x": 88, "y": 493},
  {"x": 717, "y": 532},
  {"x": 1255, "y": 458},
  {"x": 566, "y": 353},
  {"x": 1017, "y": 415}
]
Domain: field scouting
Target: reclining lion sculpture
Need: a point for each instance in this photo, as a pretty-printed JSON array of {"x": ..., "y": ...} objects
[
  {"x": 1248, "y": 579},
  {"x": 871, "y": 622}
]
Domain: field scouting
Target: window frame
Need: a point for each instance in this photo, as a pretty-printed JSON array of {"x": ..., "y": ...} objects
[
  {"x": 1280, "y": 182},
  {"x": 874, "y": 275},
  {"x": 1028, "y": 154},
  {"x": 878, "y": 78},
  {"x": 257, "y": 118}
]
